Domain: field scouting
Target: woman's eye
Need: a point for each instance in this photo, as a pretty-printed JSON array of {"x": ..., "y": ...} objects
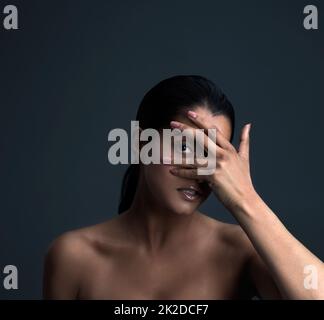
[{"x": 185, "y": 148}]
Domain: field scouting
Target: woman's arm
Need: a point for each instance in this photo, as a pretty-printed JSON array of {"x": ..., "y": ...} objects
[{"x": 297, "y": 272}]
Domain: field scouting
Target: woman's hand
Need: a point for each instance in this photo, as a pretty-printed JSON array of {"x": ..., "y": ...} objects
[
  {"x": 285, "y": 258},
  {"x": 231, "y": 181}
]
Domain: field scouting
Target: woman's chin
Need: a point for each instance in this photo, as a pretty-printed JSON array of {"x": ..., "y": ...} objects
[{"x": 185, "y": 209}]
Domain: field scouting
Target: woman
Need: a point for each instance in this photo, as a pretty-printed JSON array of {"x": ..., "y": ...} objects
[{"x": 161, "y": 247}]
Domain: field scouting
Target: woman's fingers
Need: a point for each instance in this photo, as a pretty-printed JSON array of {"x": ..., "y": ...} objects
[
  {"x": 203, "y": 140},
  {"x": 185, "y": 173},
  {"x": 198, "y": 163},
  {"x": 244, "y": 148},
  {"x": 203, "y": 123}
]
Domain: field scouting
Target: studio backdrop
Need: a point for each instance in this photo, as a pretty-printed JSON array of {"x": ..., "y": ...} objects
[{"x": 71, "y": 71}]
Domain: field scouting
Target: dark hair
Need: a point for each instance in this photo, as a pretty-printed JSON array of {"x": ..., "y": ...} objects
[{"x": 161, "y": 104}]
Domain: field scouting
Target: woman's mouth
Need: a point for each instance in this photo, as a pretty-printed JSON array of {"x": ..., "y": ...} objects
[{"x": 190, "y": 194}]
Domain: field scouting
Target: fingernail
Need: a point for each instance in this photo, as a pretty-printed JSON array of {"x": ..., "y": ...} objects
[
  {"x": 175, "y": 124},
  {"x": 192, "y": 114}
]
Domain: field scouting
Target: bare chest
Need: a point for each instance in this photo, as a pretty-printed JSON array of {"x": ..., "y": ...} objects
[{"x": 187, "y": 276}]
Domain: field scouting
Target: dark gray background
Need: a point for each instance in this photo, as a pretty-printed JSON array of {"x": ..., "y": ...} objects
[{"x": 76, "y": 69}]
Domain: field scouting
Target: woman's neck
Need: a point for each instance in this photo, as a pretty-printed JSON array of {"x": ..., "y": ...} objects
[{"x": 156, "y": 228}]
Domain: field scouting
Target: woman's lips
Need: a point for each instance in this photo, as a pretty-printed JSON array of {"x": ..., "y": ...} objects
[{"x": 190, "y": 194}]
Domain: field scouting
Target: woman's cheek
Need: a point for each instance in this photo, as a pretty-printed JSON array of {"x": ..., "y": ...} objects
[{"x": 159, "y": 178}]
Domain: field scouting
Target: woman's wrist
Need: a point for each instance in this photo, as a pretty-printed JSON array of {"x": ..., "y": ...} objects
[{"x": 249, "y": 206}]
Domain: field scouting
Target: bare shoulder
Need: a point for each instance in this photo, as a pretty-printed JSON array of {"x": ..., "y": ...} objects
[
  {"x": 69, "y": 246},
  {"x": 77, "y": 245},
  {"x": 65, "y": 258},
  {"x": 69, "y": 259},
  {"x": 232, "y": 238}
]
